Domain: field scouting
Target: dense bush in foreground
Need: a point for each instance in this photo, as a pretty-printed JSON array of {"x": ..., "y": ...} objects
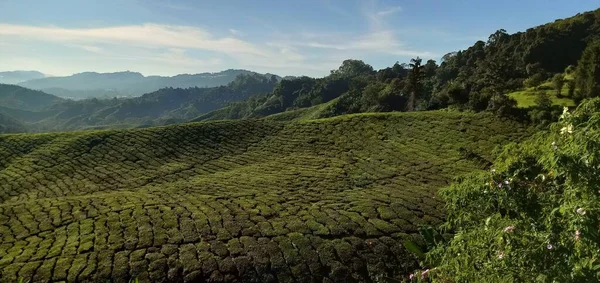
[{"x": 534, "y": 217}]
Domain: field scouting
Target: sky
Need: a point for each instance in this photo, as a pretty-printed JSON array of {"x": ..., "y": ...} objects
[{"x": 284, "y": 37}]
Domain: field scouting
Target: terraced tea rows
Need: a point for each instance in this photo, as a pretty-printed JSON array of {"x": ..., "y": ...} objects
[{"x": 257, "y": 201}]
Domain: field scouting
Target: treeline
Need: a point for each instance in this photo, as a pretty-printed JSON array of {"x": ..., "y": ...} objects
[{"x": 476, "y": 79}]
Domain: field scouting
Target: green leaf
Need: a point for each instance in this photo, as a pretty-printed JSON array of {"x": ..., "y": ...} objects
[{"x": 414, "y": 249}]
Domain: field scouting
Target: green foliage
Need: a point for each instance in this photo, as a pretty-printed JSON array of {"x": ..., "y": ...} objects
[
  {"x": 353, "y": 68},
  {"x": 588, "y": 72},
  {"x": 414, "y": 84},
  {"x": 558, "y": 81},
  {"x": 533, "y": 217},
  {"x": 251, "y": 201},
  {"x": 353, "y": 88},
  {"x": 543, "y": 100},
  {"x": 534, "y": 81},
  {"x": 10, "y": 125},
  {"x": 526, "y": 98},
  {"x": 571, "y": 86},
  {"x": 16, "y": 97},
  {"x": 162, "y": 107}
]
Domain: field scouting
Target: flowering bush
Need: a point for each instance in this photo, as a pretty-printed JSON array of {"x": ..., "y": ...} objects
[{"x": 534, "y": 217}]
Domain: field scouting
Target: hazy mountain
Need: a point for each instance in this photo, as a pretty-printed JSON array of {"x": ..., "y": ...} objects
[
  {"x": 120, "y": 84},
  {"x": 15, "y": 77},
  {"x": 16, "y": 97},
  {"x": 164, "y": 106}
]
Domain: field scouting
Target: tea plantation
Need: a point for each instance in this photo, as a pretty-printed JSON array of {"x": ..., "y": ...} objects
[{"x": 327, "y": 200}]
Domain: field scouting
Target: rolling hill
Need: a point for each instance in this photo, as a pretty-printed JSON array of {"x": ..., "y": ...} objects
[
  {"x": 16, "y": 97},
  {"x": 127, "y": 84},
  {"x": 328, "y": 200},
  {"x": 43, "y": 112},
  {"x": 10, "y": 125}
]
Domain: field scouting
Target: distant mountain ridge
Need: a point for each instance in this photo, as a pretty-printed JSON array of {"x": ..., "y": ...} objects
[
  {"x": 40, "y": 111},
  {"x": 127, "y": 84},
  {"x": 15, "y": 77}
]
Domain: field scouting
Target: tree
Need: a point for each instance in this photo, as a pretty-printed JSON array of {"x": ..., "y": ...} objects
[
  {"x": 558, "y": 81},
  {"x": 430, "y": 68},
  {"x": 457, "y": 94},
  {"x": 353, "y": 68},
  {"x": 415, "y": 81},
  {"x": 571, "y": 85},
  {"x": 587, "y": 75},
  {"x": 543, "y": 100},
  {"x": 534, "y": 81},
  {"x": 533, "y": 68}
]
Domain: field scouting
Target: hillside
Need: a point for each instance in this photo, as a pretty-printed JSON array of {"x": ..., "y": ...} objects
[
  {"x": 485, "y": 77},
  {"x": 16, "y": 97},
  {"x": 126, "y": 84},
  {"x": 161, "y": 107},
  {"x": 10, "y": 125},
  {"x": 329, "y": 200}
]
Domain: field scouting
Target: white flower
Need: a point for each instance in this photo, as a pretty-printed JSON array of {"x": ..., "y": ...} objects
[
  {"x": 501, "y": 255},
  {"x": 549, "y": 246},
  {"x": 493, "y": 170},
  {"x": 509, "y": 229},
  {"x": 565, "y": 113},
  {"x": 581, "y": 211},
  {"x": 567, "y": 130},
  {"x": 554, "y": 146},
  {"x": 577, "y": 235}
]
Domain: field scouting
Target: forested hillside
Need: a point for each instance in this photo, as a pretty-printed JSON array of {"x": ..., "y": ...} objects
[
  {"x": 16, "y": 97},
  {"x": 10, "y": 125},
  {"x": 165, "y": 106},
  {"x": 260, "y": 201},
  {"x": 477, "y": 78}
]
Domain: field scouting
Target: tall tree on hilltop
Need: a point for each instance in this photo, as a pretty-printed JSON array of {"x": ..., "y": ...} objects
[
  {"x": 415, "y": 81},
  {"x": 353, "y": 68},
  {"x": 587, "y": 74}
]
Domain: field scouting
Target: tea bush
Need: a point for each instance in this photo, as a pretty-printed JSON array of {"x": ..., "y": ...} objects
[{"x": 327, "y": 200}]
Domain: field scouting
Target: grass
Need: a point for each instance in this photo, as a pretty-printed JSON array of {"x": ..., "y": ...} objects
[
  {"x": 327, "y": 200},
  {"x": 526, "y": 98},
  {"x": 308, "y": 113}
]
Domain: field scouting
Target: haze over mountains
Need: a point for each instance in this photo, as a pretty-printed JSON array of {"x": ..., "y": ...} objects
[
  {"x": 118, "y": 84},
  {"x": 15, "y": 77}
]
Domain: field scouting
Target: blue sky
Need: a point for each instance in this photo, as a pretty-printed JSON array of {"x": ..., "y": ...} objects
[{"x": 307, "y": 37}]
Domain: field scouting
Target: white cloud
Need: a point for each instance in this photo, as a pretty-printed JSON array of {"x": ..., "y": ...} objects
[
  {"x": 389, "y": 11},
  {"x": 169, "y": 49},
  {"x": 376, "y": 42},
  {"x": 235, "y": 32},
  {"x": 90, "y": 48},
  {"x": 147, "y": 35}
]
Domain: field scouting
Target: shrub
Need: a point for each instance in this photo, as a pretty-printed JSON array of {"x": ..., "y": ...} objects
[
  {"x": 534, "y": 217},
  {"x": 534, "y": 81}
]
